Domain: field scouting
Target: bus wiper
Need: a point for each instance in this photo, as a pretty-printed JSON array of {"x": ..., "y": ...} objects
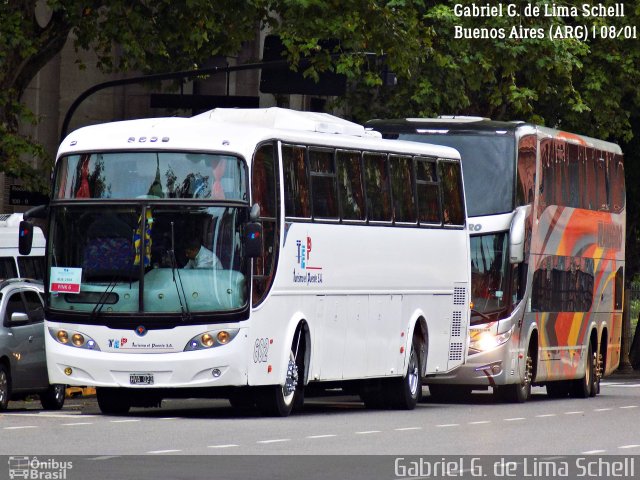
[
  {"x": 184, "y": 307},
  {"x": 104, "y": 296}
]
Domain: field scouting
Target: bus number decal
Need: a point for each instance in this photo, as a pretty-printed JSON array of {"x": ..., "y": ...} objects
[
  {"x": 475, "y": 227},
  {"x": 261, "y": 350}
]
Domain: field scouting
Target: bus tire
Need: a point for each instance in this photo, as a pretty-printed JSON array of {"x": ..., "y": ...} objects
[
  {"x": 519, "y": 392},
  {"x": 53, "y": 398},
  {"x": 113, "y": 401},
  {"x": 404, "y": 393},
  {"x": 5, "y": 387},
  {"x": 279, "y": 400},
  {"x": 558, "y": 389},
  {"x": 583, "y": 387}
]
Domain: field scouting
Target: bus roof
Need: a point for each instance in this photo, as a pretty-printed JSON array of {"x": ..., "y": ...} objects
[
  {"x": 236, "y": 131},
  {"x": 480, "y": 125}
]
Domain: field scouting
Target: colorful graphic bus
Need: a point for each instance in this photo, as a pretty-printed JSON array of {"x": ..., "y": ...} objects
[
  {"x": 254, "y": 254},
  {"x": 547, "y": 226}
]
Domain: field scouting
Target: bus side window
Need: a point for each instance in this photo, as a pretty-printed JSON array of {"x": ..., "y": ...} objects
[
  {"x": 296, "y": 182},
  {"x": 452, "y": 193},
  {"x": 350, "y": 185},
  {"x": 264, "y": 187},
  {"x": 378, "y": 188},
  {"x": 427, "y": 188}
]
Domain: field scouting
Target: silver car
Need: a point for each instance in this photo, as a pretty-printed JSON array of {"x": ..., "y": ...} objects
[{"x": 23, "y": 367}]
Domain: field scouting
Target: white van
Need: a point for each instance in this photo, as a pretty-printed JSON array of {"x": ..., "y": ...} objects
[{"x": 12, "y": 264}]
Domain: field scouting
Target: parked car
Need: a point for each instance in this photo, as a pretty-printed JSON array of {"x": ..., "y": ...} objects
[{"x": 23, "y": 366}]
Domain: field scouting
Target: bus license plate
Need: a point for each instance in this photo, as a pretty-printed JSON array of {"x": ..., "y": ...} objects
[{"x": 141, "y": 378}]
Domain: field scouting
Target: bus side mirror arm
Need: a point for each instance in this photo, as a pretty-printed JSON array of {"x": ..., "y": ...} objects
[{"x": 517, "y": 234}]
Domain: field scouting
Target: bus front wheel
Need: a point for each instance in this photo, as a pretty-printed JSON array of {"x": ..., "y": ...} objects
[
  {"x": 519, "y": 392},
  {"x": 405, "y": 392},
  {"x": 279, "y": 400}
]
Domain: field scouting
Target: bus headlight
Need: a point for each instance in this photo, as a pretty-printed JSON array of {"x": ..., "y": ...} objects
[
  {"x": 483, "y": 340},
  {"x": 211, "y": 339},
  {"x": 71, "y": 338}
]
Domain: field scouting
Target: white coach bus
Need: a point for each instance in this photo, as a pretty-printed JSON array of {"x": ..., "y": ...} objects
[{"x": 253, "y": 254}]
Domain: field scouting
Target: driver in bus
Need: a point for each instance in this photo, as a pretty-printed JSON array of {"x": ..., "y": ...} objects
[{"x": 200, "y": 256}]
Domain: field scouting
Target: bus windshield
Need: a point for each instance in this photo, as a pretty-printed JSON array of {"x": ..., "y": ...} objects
[
  {"x": 154, "y": 175},
  {"x": 489, "y": 264},
  {"x": 488, "y": 165},
  {"x": 118, "y": 259}
]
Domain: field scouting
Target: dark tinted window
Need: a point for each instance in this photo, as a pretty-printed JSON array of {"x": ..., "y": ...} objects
[
  {"x": 452, "y": 194},
  {"x": 404, "y": 207},
  {"x": 323, "y": 183},
  {"x": 8, "y": 268},
  {"x": 428, "y": 192},
  {"x": 350, "y": 186},
  {"x": 296, "y": 182},
  {"x": 378, "y": 190}
]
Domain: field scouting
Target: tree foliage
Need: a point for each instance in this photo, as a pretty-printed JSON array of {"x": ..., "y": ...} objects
[{"x": 172, "y": 35}]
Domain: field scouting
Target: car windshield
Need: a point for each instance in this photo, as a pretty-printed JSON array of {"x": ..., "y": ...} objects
[{"x": 125, "y": 259}]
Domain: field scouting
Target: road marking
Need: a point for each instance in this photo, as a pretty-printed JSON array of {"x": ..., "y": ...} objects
[
  {"x": 52, "y": 415},
  {"x": 228, "y": 445},
  {"x": 163, "y": 451},
  {"x": 629, "y": 446},
  {"x": 76, "y": 424},
  {"x": 480, "y": 422},
  {"x": 573, "y": 413},
  {"x": 404, "y": 429},
  {"x": 321, "y": 436},
  {"x": 515, "y": 419},
  {"x": 445, "y": 425},
  {"x": 20, "y": 428},
  {"x": 124, "y": 421},
  {"x": 603, "y": 409},
  {"x": 366, "y": 432},
  {"x": 105, "y": 457},
  {"x": 168, "y": 418},
  {"x": 630, "y": 406},
  {"x": 275, "y": 440},
  {"x": 592, "y": 452},
  {"x": 544, "y": 415}
]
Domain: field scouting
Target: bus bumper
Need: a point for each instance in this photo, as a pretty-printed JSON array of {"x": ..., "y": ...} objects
[
  {"x": 219, "y": 367},
  {"x": 485, "y": 369}
]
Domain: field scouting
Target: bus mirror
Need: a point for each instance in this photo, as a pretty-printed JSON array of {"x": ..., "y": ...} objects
[
  {"x": 517, "y": 235},
  {"x": 253, "y": 239},
  {"x": 25, "y": 238}
]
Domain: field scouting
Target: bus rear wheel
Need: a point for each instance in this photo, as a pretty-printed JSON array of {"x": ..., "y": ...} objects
[
  {"x": 113, "y": 401},
  {"x": 585, "y": 387}
]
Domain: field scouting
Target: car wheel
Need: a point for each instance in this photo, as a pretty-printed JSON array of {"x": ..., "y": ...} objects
[{"x": 5, "y": 387}]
